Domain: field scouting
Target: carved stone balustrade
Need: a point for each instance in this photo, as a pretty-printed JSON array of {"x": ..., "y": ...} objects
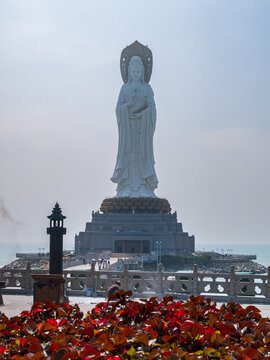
[{"x": 223, "y": 287}]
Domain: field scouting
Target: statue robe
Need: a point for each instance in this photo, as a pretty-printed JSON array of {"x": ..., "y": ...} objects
[{"x": 134, "y": 171}]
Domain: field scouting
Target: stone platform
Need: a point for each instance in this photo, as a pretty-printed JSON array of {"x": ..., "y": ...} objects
[{"x": 134, "y": 233}]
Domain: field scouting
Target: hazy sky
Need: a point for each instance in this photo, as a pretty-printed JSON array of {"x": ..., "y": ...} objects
[{"x": 59, "y": 83}]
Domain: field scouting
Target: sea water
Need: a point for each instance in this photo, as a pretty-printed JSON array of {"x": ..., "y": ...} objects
[
  {"x": 8, "y": 250},
  {"x": 261, "y": 251}
]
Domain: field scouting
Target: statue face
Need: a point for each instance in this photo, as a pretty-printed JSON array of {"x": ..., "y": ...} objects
[{"x": 136, "y": 72}]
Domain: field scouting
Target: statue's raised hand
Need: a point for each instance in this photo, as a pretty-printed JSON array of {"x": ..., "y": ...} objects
[{"x": 136, "y": 116}]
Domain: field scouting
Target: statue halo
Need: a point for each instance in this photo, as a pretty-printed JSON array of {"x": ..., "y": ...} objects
[{"x": 136, "y": 49}]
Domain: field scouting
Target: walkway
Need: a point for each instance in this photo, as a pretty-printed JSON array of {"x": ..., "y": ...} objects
[
  {"x": 88, "y": 266},
  {"x": 15, "y": 304}
]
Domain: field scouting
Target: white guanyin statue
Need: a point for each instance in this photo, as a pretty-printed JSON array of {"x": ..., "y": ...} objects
[{"x": 136, "y": 118}]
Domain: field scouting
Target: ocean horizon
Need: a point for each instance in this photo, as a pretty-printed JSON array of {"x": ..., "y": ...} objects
[
  {"x": 8, "y": 251},
  {"x": 262, "y": 251}
]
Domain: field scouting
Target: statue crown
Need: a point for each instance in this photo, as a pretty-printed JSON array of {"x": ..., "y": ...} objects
[{"x": 136, "y": 49}]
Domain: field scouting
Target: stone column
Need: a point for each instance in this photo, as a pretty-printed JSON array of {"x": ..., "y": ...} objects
[
  {"x": 160, "y": 279},
  {"x": 28, "y": 278},
  {"x": 2, "y": 285},
  {"x": 232, "y": 282},
  {"x": 195, "y": 289},
  {"x": 56, "y": 232},
  {"x": 125, "y": 278},
  {"x": 268, "y": 282},
  {"x": 92, "y": 279}
]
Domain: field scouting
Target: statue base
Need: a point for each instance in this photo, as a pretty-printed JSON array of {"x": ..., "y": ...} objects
[
  {"x": 133, "y": 233},
  {"x": 126, "y": 225},
  {"x": 49, "y": 286},
  {"x": 138, "y": 205}
]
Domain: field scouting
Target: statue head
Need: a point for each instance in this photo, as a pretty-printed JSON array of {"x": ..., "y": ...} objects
[{"x": 135, "y": 69}]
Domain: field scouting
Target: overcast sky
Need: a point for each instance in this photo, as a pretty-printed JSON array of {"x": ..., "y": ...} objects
[{"x": 59, "y": 83}]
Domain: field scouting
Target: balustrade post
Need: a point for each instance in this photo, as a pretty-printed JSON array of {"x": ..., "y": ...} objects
[
  {"x": 268, "y": 282},
  {"x": 195, "y": 289},
  {"x": 232, "y": 281},
  {"x": 28, "y": 277},
  {"x": 125, "y": 278},
  {"x": 92, "y": 278},
  {"x": 160, "y": 279}
]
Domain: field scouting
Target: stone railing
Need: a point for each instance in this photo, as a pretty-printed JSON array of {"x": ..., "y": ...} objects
[{"x": 221, "y": 287}]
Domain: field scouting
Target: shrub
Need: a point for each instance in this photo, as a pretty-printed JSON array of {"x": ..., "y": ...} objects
[{"x": 123, "y": 328}]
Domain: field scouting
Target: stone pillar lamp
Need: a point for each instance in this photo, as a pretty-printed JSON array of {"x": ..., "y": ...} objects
[{"x": 51, "y": 286}]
